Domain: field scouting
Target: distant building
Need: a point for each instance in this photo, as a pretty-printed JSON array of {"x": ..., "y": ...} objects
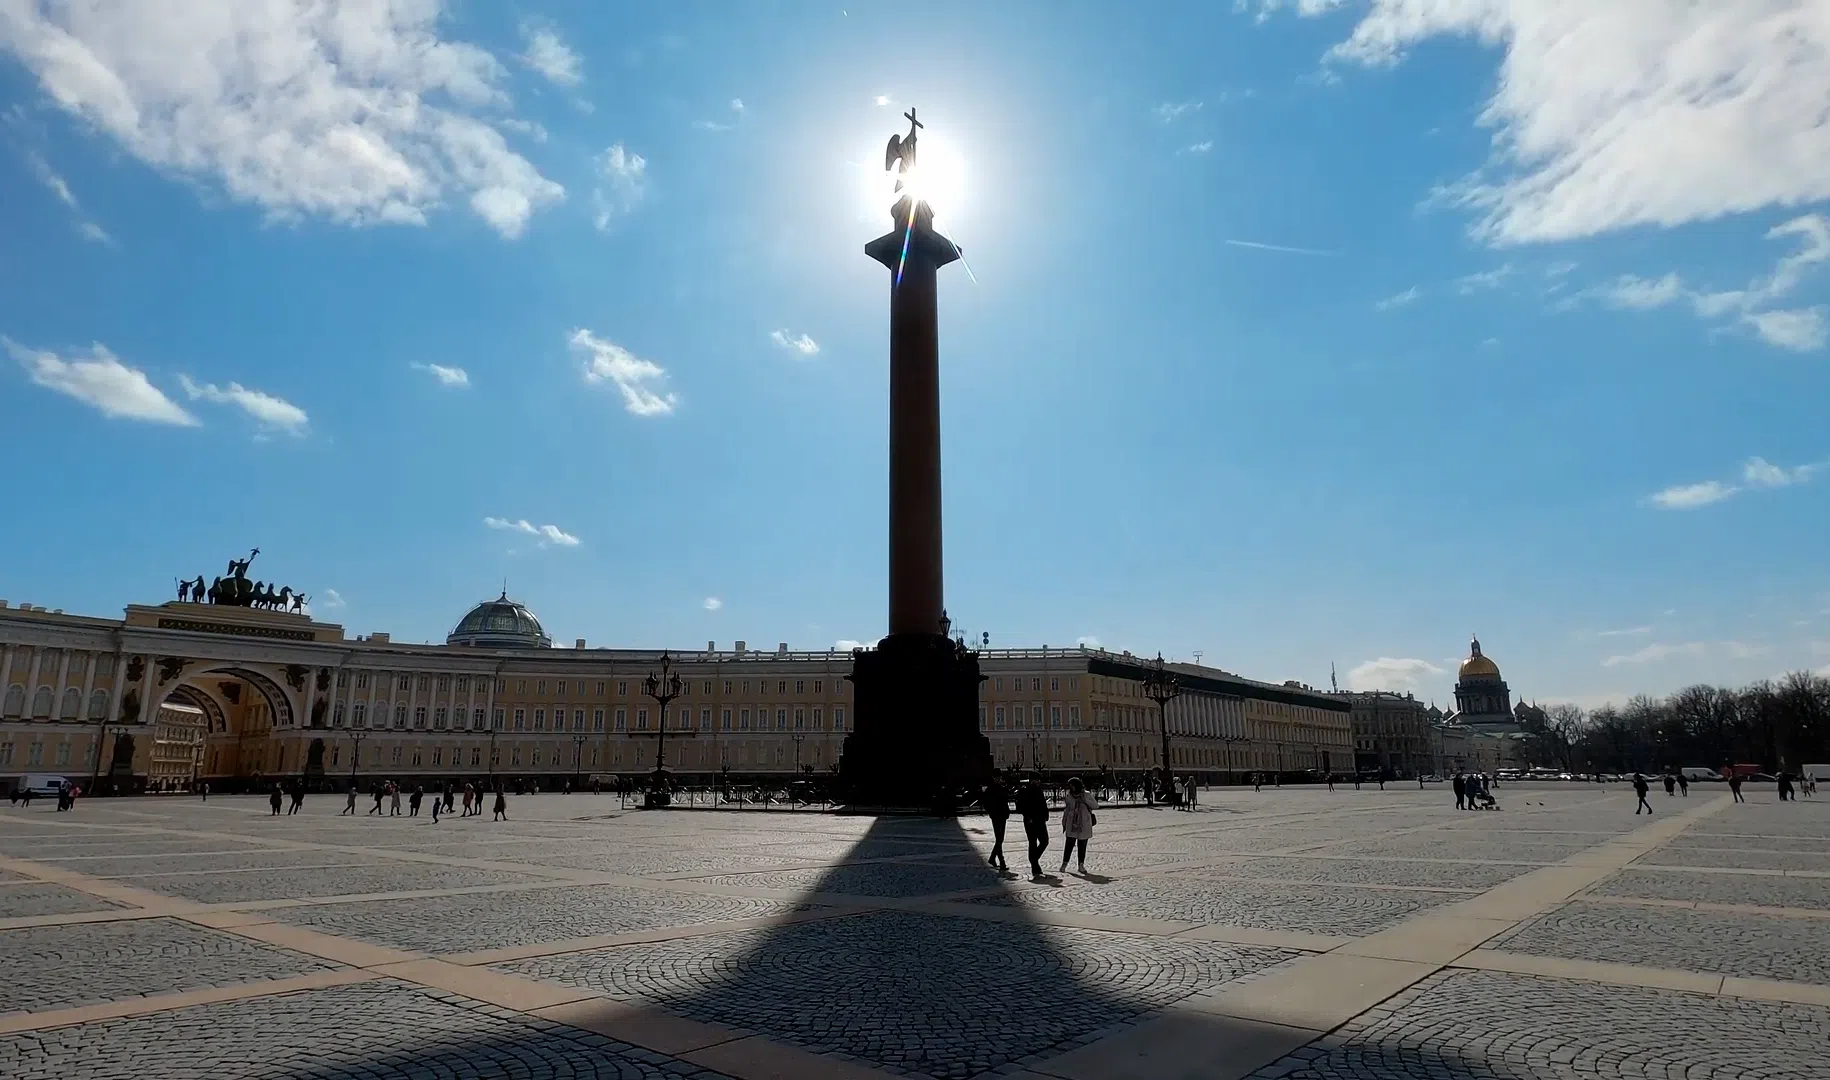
[
  {"x": 177, "y": 747},
  {"x": 1391, "y": 733},
  {"x": 1483, "y": 701}
]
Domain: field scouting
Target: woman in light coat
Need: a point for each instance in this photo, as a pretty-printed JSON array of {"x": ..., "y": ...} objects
[{"x": 1077, "y": 821}]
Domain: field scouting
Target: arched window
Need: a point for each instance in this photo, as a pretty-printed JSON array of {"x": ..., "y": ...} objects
[
  {"x": 98, "y": 705},
  {"x": 15, "y": 701},
  {"x": 41, "y": 703},
  {"x": 359, "y": 718},
  {"x": 72, "y": 708}
]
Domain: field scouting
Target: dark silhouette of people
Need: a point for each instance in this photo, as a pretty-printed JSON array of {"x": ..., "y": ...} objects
[
  {"x": 1670, "y": 785},
  {"x": 413, "y": 800},
  {"x": 1460, "y": 783},
  {"x": 1640, "y": 787},
  {"x": 273, "y": 800},
  {"x": 1734, "y": 786},
  {"x": 1077, "y": 821},
  {"x": 1683, "y": 783},
  {"x": 1785, "y": 786},
  {"x": 996, "y": 801},
  {"x": 501, "y": 806},
  {"x": 1032, "y": 804},
  {"x": 350, "y": 806}
]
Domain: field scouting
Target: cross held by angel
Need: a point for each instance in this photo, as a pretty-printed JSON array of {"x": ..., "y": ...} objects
[{"x": 899, "y": 157}]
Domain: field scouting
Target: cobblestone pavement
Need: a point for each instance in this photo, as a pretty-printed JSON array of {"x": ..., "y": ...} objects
[
  {"x": 255, "y": 959},
  {"x": 55, "y": 967},
  {"x": 377, "y": 1031},
  {"x": 1762, "y": 946},
  {"x": 880, "y": 987},
  {"x": 1482, "y": 1024}
]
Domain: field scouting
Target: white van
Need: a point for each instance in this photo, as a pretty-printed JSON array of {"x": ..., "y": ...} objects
[
  {"x": 1697, "y": 772},
  {"x": 43, "y": 783},
  {"x": 1815, "y": 772}
]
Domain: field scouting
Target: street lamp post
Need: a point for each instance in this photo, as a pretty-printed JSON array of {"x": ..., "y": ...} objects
[
  {"x": 578, "y": 753},
  {"x": 798, "y": 736},
  {"x": 1162, "y": 687},
  {"x": 494, "y": 725},
  {"x": 663, "y": 688},
  {"x": 355, "y": 753},
  {"x": 101, "y": 743}
]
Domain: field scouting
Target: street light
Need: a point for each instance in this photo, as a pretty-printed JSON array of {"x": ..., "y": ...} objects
[
  {"x": 355, "y": 753},
  {"x": 495, "y": 724},
  {"x": 578, "y": 753},
  {"x": 663, "y": 688},
  {"x": 1162, "y": 687},
  {"x": 798, "y": 736}
]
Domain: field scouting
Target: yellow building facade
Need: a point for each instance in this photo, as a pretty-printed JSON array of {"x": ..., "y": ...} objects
[{"x": 277, "y": 694}]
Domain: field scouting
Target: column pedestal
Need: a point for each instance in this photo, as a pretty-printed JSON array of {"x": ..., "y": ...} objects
[{"x": 916, "y": 745}]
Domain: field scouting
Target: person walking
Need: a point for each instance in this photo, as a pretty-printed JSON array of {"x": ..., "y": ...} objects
[
  {"x": 1734, "y": 786},
  {"x": 273, "y": 800},
  {"x": 298, "y": 798},
  {"x": 1460, "y": 784},
  {"x": 350, "y": 806},
  {"x": 450, "y": 793},
  {"x": 1785, "y": 786},
  {"x": 379, "y": 791},
  {"x": 1077, "y": 821},
  {"x": 1194, "y": 794},
  {"x": 1258, "y": 781},
  {"x": 1033, "y": 805},
  {"x": 204, "y": 790},
  {"x": 1683, "y": 785},
  {"x": 437, "y": 802},
  {"x": 1670, "y": 785},
  {"x": 1330, "y": 781},
  {"x": 1640, "y": 787},
  {"x": 413, "y": 800},
  {"x": 996, "y": 801},
  {"x": 393, "y": 798},
  {"x": 501, "y": 806}
]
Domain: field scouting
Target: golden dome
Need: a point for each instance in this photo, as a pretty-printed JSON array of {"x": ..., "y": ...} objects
[{"x": 1477, "y": 666}]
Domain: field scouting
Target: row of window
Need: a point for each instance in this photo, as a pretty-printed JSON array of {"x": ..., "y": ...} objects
[
  {"x": 462, "y": 684},
  {"x": 1035, "y": 714},
  {"x": 48, "y": 660},
  {"x": 70, "y": 708},
  {"x": 34, "y": 754},
  {"x": 801, "y": 719},
  {"x": 1035, "y": 683}
]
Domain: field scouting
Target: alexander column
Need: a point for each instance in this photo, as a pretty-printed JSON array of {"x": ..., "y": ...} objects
[{"x": 915, "y": 742}]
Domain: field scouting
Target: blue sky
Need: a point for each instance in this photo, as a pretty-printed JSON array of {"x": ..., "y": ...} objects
[{"x": 1302, "y": 333}]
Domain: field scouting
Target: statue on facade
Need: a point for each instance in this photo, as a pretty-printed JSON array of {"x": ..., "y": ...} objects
[
  {"x": 899, "y": 156},
  {"x": 169, "y": 668},
  {"x": 299, "y": 600},
  {"x": 184, "y": 592}
]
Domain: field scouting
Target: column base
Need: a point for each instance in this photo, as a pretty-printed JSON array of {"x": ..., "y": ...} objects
[{"x": 915, "y": 742}]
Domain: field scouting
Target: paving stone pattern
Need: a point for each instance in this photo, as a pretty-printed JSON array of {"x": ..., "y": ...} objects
[
  {"x": 382, "y": 1031},
  {"x": 870, "y": 879},
  {"x": 1758, "y": 946},
  {"x": 38, "y": 898},
  {"x": 1490, "y": 1026},
  {"x": 1766, "y": 890},
  {"x": 341, "y": 881},
  {"x": 933, "y": 995},
  {"x": 478, "y": 921},
  {"x": 1466, "y": 876},
  {"x": 55, "y": 967},
  {"x": 1184, "y": 898}
]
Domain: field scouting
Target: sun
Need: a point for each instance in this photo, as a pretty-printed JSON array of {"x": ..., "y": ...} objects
[{"x": 939, "y": 178}]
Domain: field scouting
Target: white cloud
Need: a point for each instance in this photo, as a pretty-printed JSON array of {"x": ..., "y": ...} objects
[
  {"x": 880, "y": 100},
  {"x": 1171, "y": 111},
  {"x": 550, "y": 56},
  {"x": 446, "y": 376},
  {"x": 269, "y": 411},
  {"x": 737, "y": 105},
  {"x": 1398, "y": 300},
  {"x": 1756, "y": 472},
  {"x": 49, "y": 178},
  {"x": 101, "y": 380},
  {"x": 624, "y": 176},
  {"x": 1088, "y": 641},
  {"x": 1691, "y": 496},
  {"x": 1630, "y": 631},
  {"x": 1798, "y": 329},
  {"x": 532, "y": 130},
  {"x": 639, "y": 380},
  {"x": 359, "y": 113},
  {"x": 712, "y": 603},
  {"x": 1641, "y": 294},
  {"x": 846, "y": 644},
  {"x": 1285, "y": 248},
  {"x": 1759, "y": 472},
  {"x": 1484, "y": 280},
  {"x": 1658, "y": 651},
  {"x": 332, "y": 600},
  {"x": 1612, "y": 115},
  {"x": 1390, "y": 673},
  {"x": 1201, "y": 147},
  {"x": 545, "y": 534},
  {"x": 799, "y": 343},
  {"x": 94, "y": 233}
]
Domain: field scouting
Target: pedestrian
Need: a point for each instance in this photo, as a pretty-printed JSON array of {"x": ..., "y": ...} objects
[
  {"x": 204, "y": 788},
  {"x": 1683, "y": 785},
  {"x": 436, "y": 804},
  {"x": 1785, "y": 786},
  {"x": 995, "y": 798},
  {"x": 413, "y": 800},
  {"x": 1460, "y": 784},
  {"x": 298, "y": 798},
  {"x": 1149, "y": 789},
  {"x": 450, "y": 792},
  {"x": 501, "y": 806},
  {"x": 1670, "y": 785},
  {"x": 1077, "y": 821},
  {"x": 273, "y": 800},
  {"x": 1356, "y": 779},
  {"x": 1033, "y": 805},
  {"x": 350, "y": 806},
  {"x": 1330, "y": 781},
  {"x": 1640, "y": 787},
  {"x": 1258, "y": 781},
  {"x": 393, "y": 798},
  {"x": 466, "y": 812},
  {"x": 378, "y": 790},
  {"x": 1194, "y": 794},
  {"x": 1734, "y": 786}
]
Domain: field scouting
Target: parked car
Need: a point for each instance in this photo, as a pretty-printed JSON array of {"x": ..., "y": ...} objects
[
  {"x": 1698, "y": 772},
  {"x": 43, "y": 783}
]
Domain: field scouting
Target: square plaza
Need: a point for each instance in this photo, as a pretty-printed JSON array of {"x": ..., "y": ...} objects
[{"x": 1289, "y": 932}]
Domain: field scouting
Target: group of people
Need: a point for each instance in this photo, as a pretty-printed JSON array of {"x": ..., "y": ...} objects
[
  {"x": 294, "y": 791},
  {"x": 1078, "y": 817},
  {"x": 1473, "y": 791},
  {"x": 445, "y": 800}
]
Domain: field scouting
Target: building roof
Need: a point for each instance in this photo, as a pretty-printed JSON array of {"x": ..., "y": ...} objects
[
  {"x": 1214, "y": 681},
  {"x": 500, "y": 624},
  {"x": 1477, "y": 666}
]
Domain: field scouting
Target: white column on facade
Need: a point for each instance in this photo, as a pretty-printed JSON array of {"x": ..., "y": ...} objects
[
  {"x": 31, "y": 683},
  {"x": 82, "y": 706},
  {"x": 63, "y": 680},
  {"x": 6, "y": 669}
]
